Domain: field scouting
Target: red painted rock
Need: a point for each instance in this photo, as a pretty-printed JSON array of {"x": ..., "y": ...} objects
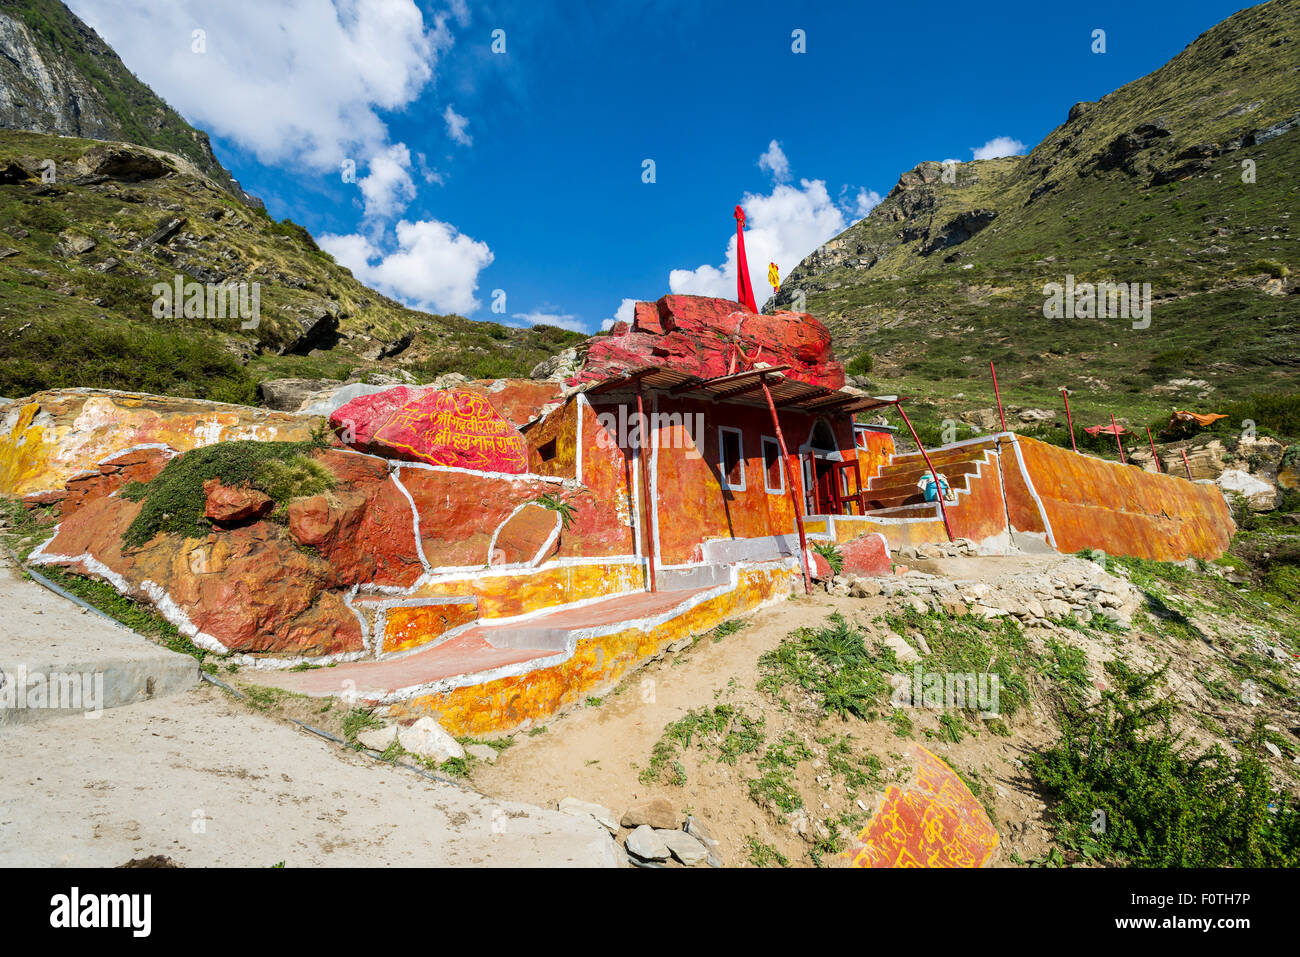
[
  {"x": 525, "y": 534},
  {"x": 253, "y": 590},
  {"x": 934, "y": 821},
  {"x": 250, "y": 587},
  {"x": 133, "y": 465},
  {"x": 712, "y": 337},
  {"x": 230, "y": 504},
  {"x": 454, "y": 428},
  {"x": 819, "y": 566},
  {"x": 365, "y": 527},
  {"x": 866, "y": 555},
  {"x": 459, "y": 513}
]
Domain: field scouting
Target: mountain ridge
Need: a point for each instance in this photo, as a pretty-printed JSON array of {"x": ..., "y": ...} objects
[
  {"x": 1147, "y": 184},
  {"x": 58, "y": 76}
]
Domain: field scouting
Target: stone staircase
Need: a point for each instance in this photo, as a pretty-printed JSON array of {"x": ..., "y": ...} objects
[{"x": 892, "y": 492}]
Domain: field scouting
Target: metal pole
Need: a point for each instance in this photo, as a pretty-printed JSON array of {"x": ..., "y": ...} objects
[
  {"x": 643, "y": 434},
  {"x": 796, "y": 495},
  {"x": 1120, "y": 445},
  {"x": 938, "y": 489},
  {"x": 1069, "y": 418},
  {"x": 1153, "y": 450},
  {"x": 996, "y": 393},
  {"x": 1187, "y": 465}
]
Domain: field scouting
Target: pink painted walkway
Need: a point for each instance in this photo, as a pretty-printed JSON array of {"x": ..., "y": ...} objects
[{"x": 472, "y": 651}]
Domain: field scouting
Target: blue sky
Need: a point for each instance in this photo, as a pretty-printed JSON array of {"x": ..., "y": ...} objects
[{"x": 523, "y": 171}]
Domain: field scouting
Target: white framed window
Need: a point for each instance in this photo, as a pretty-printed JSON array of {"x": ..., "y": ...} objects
[
  {"x": 731, "y": 458},
  {"x": 773, "y": 467}
]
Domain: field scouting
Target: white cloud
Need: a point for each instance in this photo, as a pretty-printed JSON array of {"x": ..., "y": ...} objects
[
  {"x": 864, "y": 203},
  {"x": 388, "y": 187},
  {"x": 433, "y": 266},
  {"x": 456, "y": 127},
  {"x": 775, "y": 162},
  {"x": 782, "y": 227},
  {"x": 429, "y": 173},
  {"x": 998, "y": 146},
  {"x": 625, "y": 313},
  {"x": 540, "y": 317},
  {"x": 297, "y": 80}
]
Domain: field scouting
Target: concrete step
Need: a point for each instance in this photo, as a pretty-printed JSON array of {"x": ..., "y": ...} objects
[
  {"x": 904, "y": 482},
  {"x": 58, "y": 659},
  {"x": 913, "y": 461}
]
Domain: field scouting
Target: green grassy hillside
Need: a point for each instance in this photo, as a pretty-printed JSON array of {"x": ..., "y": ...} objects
[
  {"x": 79, "y": 258},
  {"x": 1147, "y": 185}
]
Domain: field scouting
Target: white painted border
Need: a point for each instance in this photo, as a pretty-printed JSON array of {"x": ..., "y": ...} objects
[
  {"x": 537, "y": 557},
  {"x": 1029, "y": 484}
]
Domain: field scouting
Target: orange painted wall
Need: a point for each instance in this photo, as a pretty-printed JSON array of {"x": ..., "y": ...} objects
[
  {"x": 692, "y": 504},
  {"x": 875, "y": 449},
  {"x": 1093, "y": 503}
]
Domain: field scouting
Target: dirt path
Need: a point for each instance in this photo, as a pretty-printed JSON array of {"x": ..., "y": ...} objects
[
  {"x": 597, "y": 754},
  {"x": 203, "y": 779}
]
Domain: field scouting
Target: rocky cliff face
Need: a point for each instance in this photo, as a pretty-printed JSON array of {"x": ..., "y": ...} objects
[{"x": 58, "y": 76}]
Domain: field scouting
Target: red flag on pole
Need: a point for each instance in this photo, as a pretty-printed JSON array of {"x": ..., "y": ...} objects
[{"x": 744, "y": 291}]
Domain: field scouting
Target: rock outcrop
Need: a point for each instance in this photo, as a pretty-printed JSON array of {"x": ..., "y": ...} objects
[
  {"x": 454, "y": 428},
  {"x": 44, "y": 88},
  {"x": 50, "y": 437},
  {"x": 713, "y": 337}
]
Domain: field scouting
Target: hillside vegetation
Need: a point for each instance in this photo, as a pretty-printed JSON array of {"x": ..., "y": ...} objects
[
  {"x": 1185, "y": 179},
  {"x": 79, "y": 258}
]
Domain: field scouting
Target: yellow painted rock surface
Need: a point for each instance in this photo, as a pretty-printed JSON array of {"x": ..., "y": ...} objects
[{"x": 47, "y": 438}]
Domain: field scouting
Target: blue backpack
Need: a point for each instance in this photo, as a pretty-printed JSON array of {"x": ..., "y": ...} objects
[{"x": 928, "y": 492}]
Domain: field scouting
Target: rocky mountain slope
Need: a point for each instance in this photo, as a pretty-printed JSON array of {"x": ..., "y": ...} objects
[
  {"x": 1184, "y": 179},
  {"x": 81, "y": 257},
  {"x": 93, "y": 230},
  {"x": 58, "y": 76}
]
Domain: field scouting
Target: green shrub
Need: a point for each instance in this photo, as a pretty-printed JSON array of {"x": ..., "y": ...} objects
[
  {"x": 1132, "y": 792},
  {"x": 70, "y": 353},
  {"x": 174, "y": 500},
  {"x": 831, "y": 552},
  {"x": 1273, "y": 412},
  {"x": 861, "y": 364},
  {"x": 1175, "y": 362}
]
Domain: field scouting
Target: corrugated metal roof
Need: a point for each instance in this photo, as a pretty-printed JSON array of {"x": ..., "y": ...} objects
[{"x": 746, "y": 387}]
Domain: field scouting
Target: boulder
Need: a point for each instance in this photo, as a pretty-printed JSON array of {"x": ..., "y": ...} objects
[
  {"x": 528, "y": 537},
  {"x": 657, "y": 813},
  {"x": 427, "y": 738},
  {"x": 247, "y": 588},
  {"x": 685, "y": 848},
  {"x": 51, "y": 436},
  {"x": 133, "y": 465},
  {"x": 708, "y": 337},
  {"x": 364, "y": 527},
  {"x": 226, "y": 504},
  {"x": 288, "y": 395},
  {"x": 1259, "y": 495},
  {"x": 866, "y": 555},
  {"x": 558, "y": 367},
  {"x": 124, "y": 163},
  {"x": 648, "y": 844},
  {"x": 452, "y": 428},
  {"x": 818, "y": 566},
  {"x": 602, "y": 815},
  {"x": 696, "y": 829}
]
